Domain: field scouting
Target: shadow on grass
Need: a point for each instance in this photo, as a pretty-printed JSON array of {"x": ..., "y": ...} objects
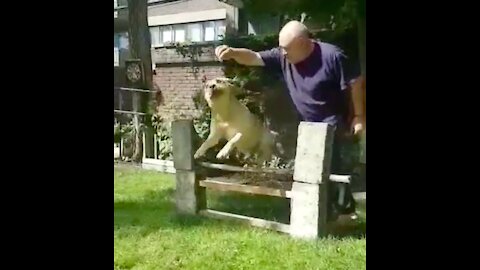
[
  {"x": 276, "y": 209},
  {"x": 265, "y": 207},
  {"x": 156, "y": 210}
]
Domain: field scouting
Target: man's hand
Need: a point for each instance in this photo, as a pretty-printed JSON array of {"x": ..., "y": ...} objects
[
  {"x": 358, "y": 124},
  {"x": 224, "y": 52}
]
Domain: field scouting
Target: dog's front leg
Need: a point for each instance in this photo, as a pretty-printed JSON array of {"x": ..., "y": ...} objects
[
  {"x": 229, "y": 146},
  {"x": 211, "y": 141}
]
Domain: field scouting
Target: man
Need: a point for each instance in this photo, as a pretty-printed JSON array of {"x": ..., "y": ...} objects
[{"x": 317, "y": 77}]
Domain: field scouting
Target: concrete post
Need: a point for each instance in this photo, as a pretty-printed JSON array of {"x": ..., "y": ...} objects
[
  {"x": 309, "y": 202},
  {"x": 189, "y": 196}
]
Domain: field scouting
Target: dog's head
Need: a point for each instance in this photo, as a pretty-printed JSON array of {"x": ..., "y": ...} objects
[{"x": 220, "y": 89}]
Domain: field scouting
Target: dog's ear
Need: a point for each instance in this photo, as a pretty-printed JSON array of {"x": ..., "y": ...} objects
[{"x": 236, "y": 82}]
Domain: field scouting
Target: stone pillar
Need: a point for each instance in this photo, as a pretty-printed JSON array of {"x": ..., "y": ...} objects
[
  {"x": 189, "y": 196},
  {"x": 309, "y": 202}
]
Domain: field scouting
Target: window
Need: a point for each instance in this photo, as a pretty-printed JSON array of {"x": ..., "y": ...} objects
[
  {"x": 180, "y": 33},
  {"x": 167, "y": 35},
  {"x": 193, "y": 32},
  {"x": 116, "y": 40},
  {"x": 116, "y": 51},
  {"x": 209, "y": 31},
  {"x": 120, "y": 48},
  {"x": 116, "y": 57},
  {"x": 155, "y": 36},
  {"x": 261, "y": 25},
  {"x": 115, "y": 13},
  {"x": 221, "y": 29},
  {"x": 123, "y": 41}
]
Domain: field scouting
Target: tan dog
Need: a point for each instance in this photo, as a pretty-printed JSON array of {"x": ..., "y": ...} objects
[{"x": 231, "y": 120}]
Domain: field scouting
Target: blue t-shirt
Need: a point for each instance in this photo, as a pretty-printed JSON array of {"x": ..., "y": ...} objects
[{"x": 316, "y": 84}]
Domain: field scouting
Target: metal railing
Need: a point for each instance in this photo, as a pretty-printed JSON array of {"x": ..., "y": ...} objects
[{"x": 121, "y": 109}]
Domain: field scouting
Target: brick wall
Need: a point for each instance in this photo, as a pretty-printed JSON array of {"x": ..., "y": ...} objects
[
  {"x": 178, "y": 81},
  {"x": 167, "y": 55}
]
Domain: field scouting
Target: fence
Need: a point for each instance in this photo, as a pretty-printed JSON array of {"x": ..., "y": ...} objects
[{"x": 126, "y": 110}]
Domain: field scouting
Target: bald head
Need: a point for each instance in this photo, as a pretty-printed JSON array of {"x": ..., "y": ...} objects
[
  {"x": 295, "y": 42},
  {"x": 292, "y": 30}
]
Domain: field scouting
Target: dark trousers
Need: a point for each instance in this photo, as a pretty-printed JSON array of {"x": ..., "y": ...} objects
[{"x": 340, "y": 195}]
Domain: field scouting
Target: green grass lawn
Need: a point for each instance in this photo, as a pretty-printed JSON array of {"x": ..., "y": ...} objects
[{"x": 148, "y": 234}]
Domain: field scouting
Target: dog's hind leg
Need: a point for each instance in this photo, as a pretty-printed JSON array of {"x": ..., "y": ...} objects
[{"x": 229, "y": 146}]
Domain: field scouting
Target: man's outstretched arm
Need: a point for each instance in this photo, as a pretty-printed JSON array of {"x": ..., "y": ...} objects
[{"x": 242, "y": 56}]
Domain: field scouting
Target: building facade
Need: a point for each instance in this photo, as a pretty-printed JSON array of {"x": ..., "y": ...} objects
[{"x": 200, "y": 23}]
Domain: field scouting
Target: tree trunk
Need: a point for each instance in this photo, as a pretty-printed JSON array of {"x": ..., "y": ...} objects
[{"x": 139, "y": 38}]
